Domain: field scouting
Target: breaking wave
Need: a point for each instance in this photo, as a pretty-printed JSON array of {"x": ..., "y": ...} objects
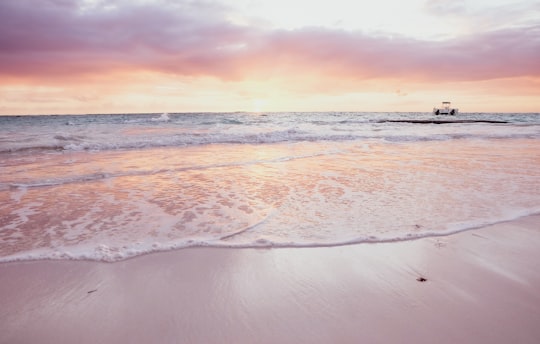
[{"x": 88, "y": 143}]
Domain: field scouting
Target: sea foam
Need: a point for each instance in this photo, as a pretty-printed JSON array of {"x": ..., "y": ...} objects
[{"x": 121, "y": 185}]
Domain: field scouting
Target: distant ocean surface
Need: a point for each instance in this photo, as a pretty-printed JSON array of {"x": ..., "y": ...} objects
[{"x": 109, "y": 187}]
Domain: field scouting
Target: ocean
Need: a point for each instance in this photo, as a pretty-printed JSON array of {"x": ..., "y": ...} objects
[{"x": 108, "y": 187}]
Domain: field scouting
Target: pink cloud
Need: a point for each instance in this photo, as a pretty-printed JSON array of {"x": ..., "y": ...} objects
[{"x": 54, "y": 38}]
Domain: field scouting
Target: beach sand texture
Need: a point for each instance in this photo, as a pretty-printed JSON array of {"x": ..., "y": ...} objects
[{"x": 481, "y": 286}]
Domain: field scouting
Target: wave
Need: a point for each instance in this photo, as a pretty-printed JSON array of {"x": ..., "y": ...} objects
[
  {"x": 60, "y": 181},
  {"x": 33, "y": 149},
  {"x": 104, "y": 253},
  {"x": 164, "y": 117},
  {"x": 108, "y": 132},
  {"x": 286, "y": 136},
  {"x": 102, "y": 176}
]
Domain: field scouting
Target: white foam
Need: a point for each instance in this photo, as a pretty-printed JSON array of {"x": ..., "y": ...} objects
[
  {"x": 136, "y": 132},
  {"x": 277, "y": 182},
  {"x": 164, "y": 117},
  {"x": 105, "y": 253}
]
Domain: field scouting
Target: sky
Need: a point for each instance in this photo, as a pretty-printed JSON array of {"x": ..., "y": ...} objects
[{"x": 134, "y": 56}]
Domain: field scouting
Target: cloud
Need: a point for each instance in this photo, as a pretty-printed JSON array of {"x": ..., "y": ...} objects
[
  {"x": 486, "y": 16},
  {"x": 445, "y": 7},
  {"x": 75, "y": 39}
]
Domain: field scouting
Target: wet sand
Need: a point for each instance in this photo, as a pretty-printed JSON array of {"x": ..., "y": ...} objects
[{"x": 479, "y": 286}]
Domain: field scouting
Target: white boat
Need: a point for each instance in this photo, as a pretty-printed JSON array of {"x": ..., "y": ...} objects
[{"x": 445, "y": 109}]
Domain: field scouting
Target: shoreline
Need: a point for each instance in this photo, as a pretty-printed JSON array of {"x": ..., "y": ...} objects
[
  {"x": 65, "y": 256},
  {"x": 480, "y": 286}
]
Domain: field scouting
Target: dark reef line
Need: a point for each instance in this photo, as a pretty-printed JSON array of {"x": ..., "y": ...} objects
[{"x": 436, "y": 121}]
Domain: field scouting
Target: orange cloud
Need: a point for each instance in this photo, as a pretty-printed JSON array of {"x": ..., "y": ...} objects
[
  {"x": 55, "y": 54},
  {"x": 54, "y": 39}
]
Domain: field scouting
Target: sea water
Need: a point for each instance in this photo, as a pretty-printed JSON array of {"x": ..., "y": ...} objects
[{"x": 112, "y": 186}]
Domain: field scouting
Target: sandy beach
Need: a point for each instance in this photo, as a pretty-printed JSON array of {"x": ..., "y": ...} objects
[
  {"x": 269, "y": 172},
  {"x": 481, "y": 286}
]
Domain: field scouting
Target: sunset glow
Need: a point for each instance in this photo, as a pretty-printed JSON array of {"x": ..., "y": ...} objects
[{"x": 93, "y": 56}]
